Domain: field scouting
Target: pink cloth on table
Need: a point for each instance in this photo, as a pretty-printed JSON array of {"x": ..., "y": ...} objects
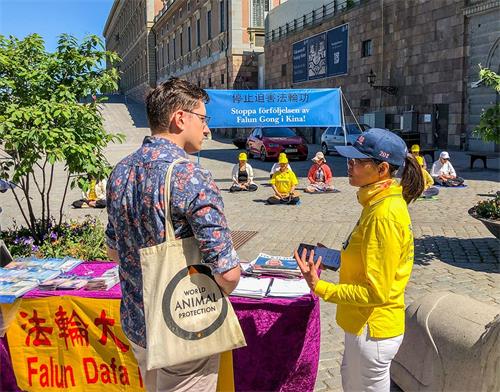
[{"x": 86, "y": 269}]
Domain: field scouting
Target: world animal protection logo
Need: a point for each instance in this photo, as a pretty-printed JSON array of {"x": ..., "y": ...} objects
[{"x": 193, "y": 305}]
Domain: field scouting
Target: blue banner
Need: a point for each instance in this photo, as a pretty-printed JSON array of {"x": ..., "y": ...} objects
[
  {"x": 321, "y": 56},
  {"x": 274, "y": 108}
]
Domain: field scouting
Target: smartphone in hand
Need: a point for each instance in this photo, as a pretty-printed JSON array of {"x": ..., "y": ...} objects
[{"x": 330, "y": 258}]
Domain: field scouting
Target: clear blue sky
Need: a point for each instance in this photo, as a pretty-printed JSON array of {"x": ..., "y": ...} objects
[{"x": 50, "y": 18}]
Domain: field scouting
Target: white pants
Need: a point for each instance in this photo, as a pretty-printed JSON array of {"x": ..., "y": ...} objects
[
  {"x": 196, "y": 376},
  {"x": 367, "y": 361}
]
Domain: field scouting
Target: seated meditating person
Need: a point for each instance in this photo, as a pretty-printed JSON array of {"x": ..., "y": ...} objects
[
  {"x": 415, "y": 150},
  {"x": 242, "y": 175},
  {"x": 95, "y": 197},
  {"x": 276, "y": 166},
  {"x": 284, "y": 182},
  {"x": 429, "y": 188},
  {"x": 443, "y": 172},
  {"x": 320, "y": 175}
]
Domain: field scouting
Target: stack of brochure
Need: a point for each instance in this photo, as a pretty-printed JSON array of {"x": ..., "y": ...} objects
[
  {"x": 288, "y": 288},
  {"x": 252, "y": 287},
  {"x": 104, "y": 282},
  {"x": 279, "y": 266},
  {"x": 25, "y": 274},
  {"x": 64, "y": 283}
]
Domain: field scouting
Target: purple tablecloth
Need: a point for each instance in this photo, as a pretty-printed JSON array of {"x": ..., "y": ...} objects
[
  {"x": 283, "y": 339},
  {"x": 283, "y": 344}
]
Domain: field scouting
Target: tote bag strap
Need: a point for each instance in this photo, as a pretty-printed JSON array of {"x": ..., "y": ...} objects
[{"x": 169, "y": 226}]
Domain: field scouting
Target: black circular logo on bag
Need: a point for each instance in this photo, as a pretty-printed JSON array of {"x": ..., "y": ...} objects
[{"x": 204, "y": 298}]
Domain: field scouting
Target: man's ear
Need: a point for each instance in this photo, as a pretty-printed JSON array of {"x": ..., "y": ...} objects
[{"x": 178, "y": 120}]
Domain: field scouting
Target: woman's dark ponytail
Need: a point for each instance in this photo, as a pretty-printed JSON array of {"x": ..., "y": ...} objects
[{"x": 412, "y": 179}]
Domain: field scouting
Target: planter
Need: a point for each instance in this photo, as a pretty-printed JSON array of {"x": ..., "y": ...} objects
[{"x": 492, "y": 225}]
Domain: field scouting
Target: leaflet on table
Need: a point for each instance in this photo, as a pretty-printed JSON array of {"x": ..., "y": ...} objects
[
  {"x": 268, "y": 265},
  {"x": 288, "y": 288},
  {"x": 9, "y": 291},
  {"x": 252, "y": 287},
  {"x": 62, "y": 264},
  {"x": 104, "y": 282}
]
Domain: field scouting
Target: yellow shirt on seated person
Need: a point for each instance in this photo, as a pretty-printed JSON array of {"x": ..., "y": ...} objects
[{"x": 284, "y": 181}]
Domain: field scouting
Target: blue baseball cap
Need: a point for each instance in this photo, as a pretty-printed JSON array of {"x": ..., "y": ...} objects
[{"x": 379, "y": 144}]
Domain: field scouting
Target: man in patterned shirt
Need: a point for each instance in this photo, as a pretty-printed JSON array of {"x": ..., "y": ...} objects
[{"x": 135, "y": 201}]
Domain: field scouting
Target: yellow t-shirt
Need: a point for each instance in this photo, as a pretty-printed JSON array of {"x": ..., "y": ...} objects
[
  {"x": 284, "y": 181},
  {"x": 376, "y": 263}
]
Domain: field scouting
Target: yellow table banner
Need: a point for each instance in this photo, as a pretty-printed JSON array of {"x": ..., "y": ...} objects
[{"x": 73, "y": 344}]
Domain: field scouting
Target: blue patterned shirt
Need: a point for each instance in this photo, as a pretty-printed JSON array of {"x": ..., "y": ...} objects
[{"x": 136, "y": 219}]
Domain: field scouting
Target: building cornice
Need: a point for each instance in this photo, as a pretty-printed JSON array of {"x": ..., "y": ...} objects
[
  {"x": 481, "y": 7},
  {"x": 117, "y": 5}
]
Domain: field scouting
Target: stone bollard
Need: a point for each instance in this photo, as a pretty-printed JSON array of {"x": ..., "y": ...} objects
[{"x": 451, "y": 343}]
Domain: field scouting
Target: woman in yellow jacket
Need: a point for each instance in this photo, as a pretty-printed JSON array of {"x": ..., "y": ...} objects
[{"x": 376, "y": 259}]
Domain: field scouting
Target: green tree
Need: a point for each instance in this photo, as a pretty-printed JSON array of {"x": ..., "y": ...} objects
[
  {"x": 489, "y": 122},
  {"x": 45, "y": 120}
]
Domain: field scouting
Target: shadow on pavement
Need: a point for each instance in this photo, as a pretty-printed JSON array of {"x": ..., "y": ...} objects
[{"x": 478, "y": 254}]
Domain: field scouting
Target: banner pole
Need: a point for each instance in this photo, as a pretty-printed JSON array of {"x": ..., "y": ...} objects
[{"x": 343, "y": 123}]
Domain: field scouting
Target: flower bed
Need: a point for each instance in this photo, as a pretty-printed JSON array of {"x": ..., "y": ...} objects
[{"x": 84, "y": 240}]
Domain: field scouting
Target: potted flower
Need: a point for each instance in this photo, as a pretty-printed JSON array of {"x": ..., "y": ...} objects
[{"x": 488, "y": 212}]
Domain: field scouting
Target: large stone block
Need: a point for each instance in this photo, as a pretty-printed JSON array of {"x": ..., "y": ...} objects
[{"x": 451, "y": 343}]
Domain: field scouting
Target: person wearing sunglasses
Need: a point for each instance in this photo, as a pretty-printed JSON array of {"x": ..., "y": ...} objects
[
  {"x": 376, "y": 259},
  {"x": 444, "y": 173}
]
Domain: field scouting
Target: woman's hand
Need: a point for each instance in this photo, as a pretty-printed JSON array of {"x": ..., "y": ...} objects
[{"x": 308, "y": 268}]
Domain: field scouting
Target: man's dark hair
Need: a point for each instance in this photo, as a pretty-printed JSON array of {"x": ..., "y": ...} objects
[{"x": 167, "y": 97}]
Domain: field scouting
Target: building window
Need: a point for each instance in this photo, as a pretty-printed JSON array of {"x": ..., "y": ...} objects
[
  {"x": 283, "y": 69},
  {"x": 221, "y": 15},
  {"x": 175, "y": 55},
  {"x": 209, "y": 82},
  {"x": 198, "y": 33},
  {"x": 221, "y": 78},
  {"x": 364, "y": 103},
  {"x": 258, "y": 12},
  {"x": 189, "y": 38},
  {"x": 209, "y": 24},
  {"x": 188, "y": 7},
  {"x": 366, "y": 48},
  {"x": 182, "y": 46}
]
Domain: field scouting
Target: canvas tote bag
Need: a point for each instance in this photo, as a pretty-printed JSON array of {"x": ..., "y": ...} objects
[{"x": 187, "y": 315}]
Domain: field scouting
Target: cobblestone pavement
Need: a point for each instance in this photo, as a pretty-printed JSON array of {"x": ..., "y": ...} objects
[{"x": 453, "y": 251}]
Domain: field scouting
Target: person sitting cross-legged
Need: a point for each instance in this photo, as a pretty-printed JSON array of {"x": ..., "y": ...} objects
[
  {"x": 320, "y": 175},
  {"x": 276, "y": 166},
  {"x": 443, "y": 172},
  {"x": 284, "y": 182},
  {"x": 429, "y": 189},
  {"x": 95, "y": 197},
  {"x": 243, "y": 176}
]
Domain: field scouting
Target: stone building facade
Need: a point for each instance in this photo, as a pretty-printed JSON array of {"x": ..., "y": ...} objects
[
  {"x": 483, "y": 40},
  {"x": 213, "y": 43},
  {"x": 423, "y": 48},
  {"x": 128, "y": 32}
]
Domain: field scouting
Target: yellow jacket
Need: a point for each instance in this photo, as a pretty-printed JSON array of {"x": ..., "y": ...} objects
[
  {"x": 429, "y": 181},
  {"x": 376, "y": 262},
  {"x": 284, "y": 181}
]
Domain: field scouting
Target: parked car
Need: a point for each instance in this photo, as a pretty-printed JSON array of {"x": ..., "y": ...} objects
[
  {"x": 334, "y": 136},
  {"x": 267, "y": 143}
]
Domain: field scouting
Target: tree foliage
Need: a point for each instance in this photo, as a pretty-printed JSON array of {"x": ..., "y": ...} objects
[
  {"x": 45, "y": 120},
  {"x": 489, "y": 123}
]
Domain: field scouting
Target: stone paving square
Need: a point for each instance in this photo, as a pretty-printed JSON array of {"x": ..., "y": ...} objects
[{"x": 453, "y": 251}]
